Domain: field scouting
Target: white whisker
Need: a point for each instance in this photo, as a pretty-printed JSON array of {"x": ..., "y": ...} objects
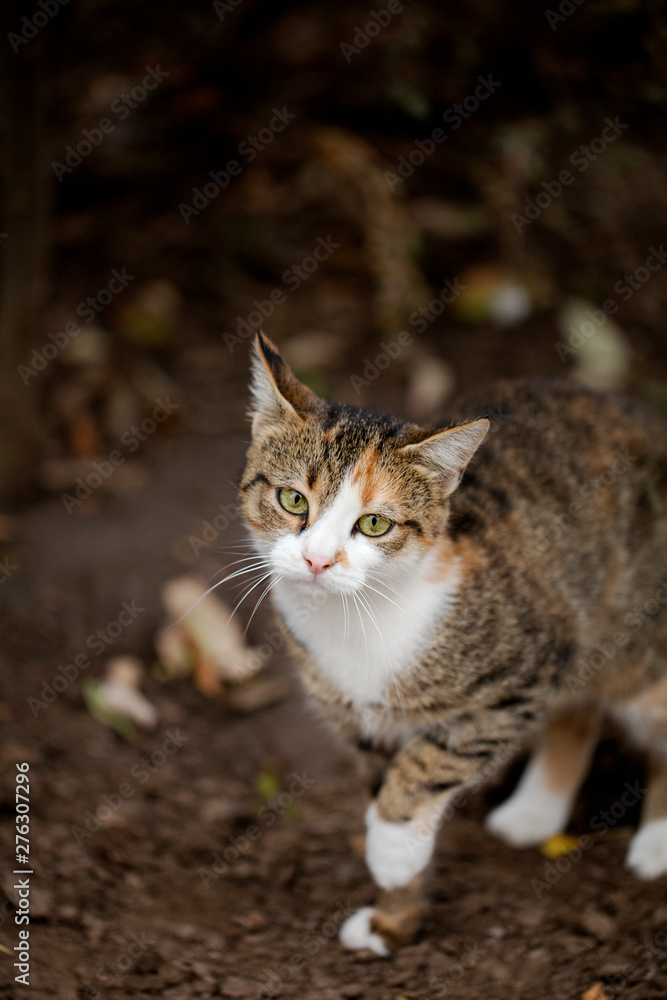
[
  {"x": 383, "y": 583},
  {"x": 373, "y": 618},
  {"x": 263, "y": 595},
  {"x": 238, "y": 572},
  {"x": 361, "y": 622},
  {"x": 262, "y": 564},
  {"x": 243, "y": 597},
  {"x": 343, "y": 597},
  {"x": 376, "y": 591},
  {"x": 234, "y": 563}
]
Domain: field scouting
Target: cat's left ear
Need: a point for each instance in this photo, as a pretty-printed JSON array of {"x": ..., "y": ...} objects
[
  {"x": 277, "y": 393},
  {"x": 447, "y": 453}
]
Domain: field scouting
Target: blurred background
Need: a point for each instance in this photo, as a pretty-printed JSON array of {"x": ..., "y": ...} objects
[{"x": 410, "y": 199}]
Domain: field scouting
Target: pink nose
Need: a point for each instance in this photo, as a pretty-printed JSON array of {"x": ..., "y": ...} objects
[{"x": 317, "y": 563}]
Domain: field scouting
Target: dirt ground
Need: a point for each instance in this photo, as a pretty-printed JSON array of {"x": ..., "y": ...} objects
[
  {"x": 218, "y": 854},
  {"x": 179, "y": 864}
]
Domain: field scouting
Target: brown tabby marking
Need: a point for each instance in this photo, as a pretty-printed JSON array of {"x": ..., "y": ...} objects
[{"x": 548, "y": 539}]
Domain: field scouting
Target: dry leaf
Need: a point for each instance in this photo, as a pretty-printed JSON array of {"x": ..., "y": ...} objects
[
  {"x": 119, "y": 695},
  {"x": 595, "y": 343},
  {"x": 492, "y": 292},
  {"x": 595, "y": 992},
  {"x": 253, "y": 697},
  {"x": 558, "y": 845},
  {"x": 84, "y": 435},
  {"x": 207, "y": 636},
  {"x": 430, "y": 384}
]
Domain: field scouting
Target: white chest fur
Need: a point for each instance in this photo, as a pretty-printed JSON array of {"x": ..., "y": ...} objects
[{"x": 362, "y": 645}]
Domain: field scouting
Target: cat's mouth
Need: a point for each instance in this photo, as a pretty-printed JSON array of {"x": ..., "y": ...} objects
[
  {"x": 327, "y": 582},
  {"x": 319, "y": 581}
]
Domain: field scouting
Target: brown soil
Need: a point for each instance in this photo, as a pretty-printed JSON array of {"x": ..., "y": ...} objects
[
  {"x": 195, "y": 884},
  {"x": 200, "y": 874}
]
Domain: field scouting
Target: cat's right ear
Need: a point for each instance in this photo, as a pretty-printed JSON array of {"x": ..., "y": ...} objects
[{"x": 277, "y": 394}]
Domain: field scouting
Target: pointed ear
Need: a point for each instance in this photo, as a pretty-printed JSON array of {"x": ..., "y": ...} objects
[
  {"x": 277, "y": 393},
  {"x": 447, "y": 453}
]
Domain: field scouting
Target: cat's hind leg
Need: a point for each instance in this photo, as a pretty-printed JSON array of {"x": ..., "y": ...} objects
[
  {"x": 647, "y": 854},
  {"x": 645, "y": 718},
  {"x": 542, "y": 801}
]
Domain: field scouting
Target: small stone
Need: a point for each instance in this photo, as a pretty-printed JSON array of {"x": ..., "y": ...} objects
[
  {"x": 598, "y": 924},
  {"x": 185, "y": 931}
]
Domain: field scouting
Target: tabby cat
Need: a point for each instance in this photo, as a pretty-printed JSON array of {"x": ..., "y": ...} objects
[{"x": 451, "y": 595}]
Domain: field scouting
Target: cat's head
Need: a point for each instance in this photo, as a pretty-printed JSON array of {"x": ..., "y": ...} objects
[{"x": 336, "y": 495}]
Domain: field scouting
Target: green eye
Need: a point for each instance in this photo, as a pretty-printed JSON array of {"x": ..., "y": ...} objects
[
  {"x": 371, "y": 524},
  {"x": 293, "y": 501}
]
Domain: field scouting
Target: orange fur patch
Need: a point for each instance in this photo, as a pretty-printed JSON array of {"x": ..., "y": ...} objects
[
  {"x": 462, "y": 552},
  {"x": 371, "y": 479},
  {"x": 566, "y": 747},
  {"x": 364, "y": 474}
]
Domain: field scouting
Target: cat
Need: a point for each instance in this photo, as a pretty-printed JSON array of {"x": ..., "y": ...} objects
[{"x": 450, "y": 594}]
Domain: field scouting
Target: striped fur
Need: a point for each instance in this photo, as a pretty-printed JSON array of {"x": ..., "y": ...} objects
[{"x": 516, "y": 580}]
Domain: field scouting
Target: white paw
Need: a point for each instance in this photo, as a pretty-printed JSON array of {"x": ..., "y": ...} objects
[
  {"x": 647, "y": 854},
  {"x": 524, "y": 821},
  {"x": 356, "y": 933},
  {"x": 396, "y": 852}
]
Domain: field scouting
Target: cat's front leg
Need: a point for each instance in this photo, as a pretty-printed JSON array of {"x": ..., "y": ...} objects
[
  {"x": 397, "y": 852},
  {"x": 401, "y": 828},
  {"x": 397, "y": 855},
  {"x": 396, "y": 917}
]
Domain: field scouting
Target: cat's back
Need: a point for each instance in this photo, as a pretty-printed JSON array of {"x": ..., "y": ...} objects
[
  {"x": 543, "y": 418},
  {"x": 552, "y": 441},
  {"x": 569, "y": 488}
]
